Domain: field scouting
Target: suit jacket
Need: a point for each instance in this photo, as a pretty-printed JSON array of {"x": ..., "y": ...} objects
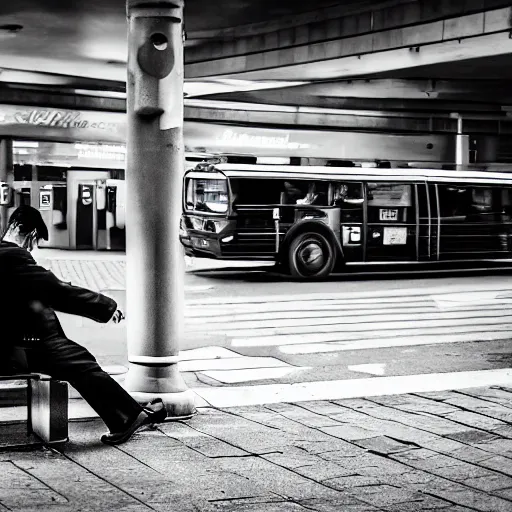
[{"x": 25, "y": 283}]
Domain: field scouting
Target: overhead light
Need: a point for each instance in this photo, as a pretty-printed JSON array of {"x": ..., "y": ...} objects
[
  {"x": 24, "y": 144},
  {"x": 279, "y": 160},
  {"x": 101, "y": 94}
]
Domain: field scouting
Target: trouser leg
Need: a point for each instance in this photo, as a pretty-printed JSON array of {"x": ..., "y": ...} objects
[{"x": 64, "y": 359}]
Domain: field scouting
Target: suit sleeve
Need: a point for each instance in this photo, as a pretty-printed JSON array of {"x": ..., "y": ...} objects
[{"x": 35, "y": 282}]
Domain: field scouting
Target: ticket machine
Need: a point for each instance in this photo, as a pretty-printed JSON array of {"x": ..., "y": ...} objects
[
  {"x": 115, "y": 197},
  {"x": 53, "y": 206}
]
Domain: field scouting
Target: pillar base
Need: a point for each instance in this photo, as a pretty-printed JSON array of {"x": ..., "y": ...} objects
[
  {"x": 147, "y": 382},
  {"x": 180, "y": 405}
]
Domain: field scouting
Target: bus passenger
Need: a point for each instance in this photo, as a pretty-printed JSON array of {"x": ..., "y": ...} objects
[
  {"x": 313, "y": 196},
  {"x": 291, "y": 193}
]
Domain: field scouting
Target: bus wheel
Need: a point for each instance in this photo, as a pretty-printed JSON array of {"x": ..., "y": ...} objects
[{"x": 311, "y": 256}]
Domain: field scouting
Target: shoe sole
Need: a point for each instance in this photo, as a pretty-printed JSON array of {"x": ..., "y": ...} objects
[{"x": 142, "y": 419}]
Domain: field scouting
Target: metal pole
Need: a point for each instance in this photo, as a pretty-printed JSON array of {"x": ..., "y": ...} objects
[
  {"x": 461, "y": 146},
  {"x": 6, "y": 170},
  {"x": 155, "y": 156}
]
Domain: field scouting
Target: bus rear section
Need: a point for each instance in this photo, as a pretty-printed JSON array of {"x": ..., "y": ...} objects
[{"x": 310, "y": 219}]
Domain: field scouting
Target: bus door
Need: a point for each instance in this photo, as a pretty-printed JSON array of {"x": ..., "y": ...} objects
[
  {"x": 435, "y": 221},
  {"x": 474, "y": 221},
  {"x": 426, "y": 210},
  {"x": 392, "y": 222},
  {"x": 349, "y": 197}
]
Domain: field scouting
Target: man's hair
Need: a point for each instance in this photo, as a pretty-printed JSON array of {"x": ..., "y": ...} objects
[{"x": 28, "y": 219}]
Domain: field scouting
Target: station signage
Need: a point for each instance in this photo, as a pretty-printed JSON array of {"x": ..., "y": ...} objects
[
  {"x": 78, "y": 126},
  {"x": 52, "y": 123},
  {"x": 61, "y": 119},
  {"x": 45, "y": 199},
  {"x": 241, "y": 138},
  {"x": 86, "y": 154}
]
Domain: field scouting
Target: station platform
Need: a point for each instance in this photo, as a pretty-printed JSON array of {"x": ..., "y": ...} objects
[
  {"x": 395, "y": 445},
  {"x": 448, "y": 451}
]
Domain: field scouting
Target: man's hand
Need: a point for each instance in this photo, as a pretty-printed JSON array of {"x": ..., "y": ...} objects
[{"x": 118, "y": 316}]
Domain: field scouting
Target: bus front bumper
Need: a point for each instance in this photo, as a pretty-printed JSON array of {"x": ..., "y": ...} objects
[{"x": 200, "y": 245}]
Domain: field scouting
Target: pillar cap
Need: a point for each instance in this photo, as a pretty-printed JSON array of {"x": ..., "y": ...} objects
[{"x": 154, "y": 4}]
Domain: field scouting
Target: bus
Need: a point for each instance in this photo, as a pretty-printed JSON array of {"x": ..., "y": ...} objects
[{"x": 313, "y": 220}]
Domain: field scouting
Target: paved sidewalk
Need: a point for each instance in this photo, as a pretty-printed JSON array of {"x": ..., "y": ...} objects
[
  {"x": 101, "y": 270},
  {"x": 449, "y": 451}
]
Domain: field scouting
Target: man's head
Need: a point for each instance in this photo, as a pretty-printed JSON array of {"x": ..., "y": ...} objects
[{"x": 26, "y": 227}]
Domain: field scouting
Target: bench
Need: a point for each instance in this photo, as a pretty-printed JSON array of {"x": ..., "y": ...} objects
[{"x": 47, "y": 407}]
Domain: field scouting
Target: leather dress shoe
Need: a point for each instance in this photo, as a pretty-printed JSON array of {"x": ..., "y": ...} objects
[
  {"x": 156, "y": 411},
  {"x": 153, "y": 412}
]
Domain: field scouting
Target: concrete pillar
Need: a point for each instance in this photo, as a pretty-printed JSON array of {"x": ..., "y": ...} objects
[
  {"x": 461, "y": 146},
  {"x": 34, "y": 188},
  {"x": 6, "y": 175},
  {"x": 155, "y": 156}
]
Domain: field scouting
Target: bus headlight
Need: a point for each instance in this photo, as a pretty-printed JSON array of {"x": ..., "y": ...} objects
[
  {"x": 227, "y": 239},
  {"x": 214, "y": 226},
  {"x": 183, "y": 230}
]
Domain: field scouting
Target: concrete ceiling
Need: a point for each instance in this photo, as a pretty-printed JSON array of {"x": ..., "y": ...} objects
[
  {"x": 79, "y": 46},
  {"x": 88, "y": 38}
]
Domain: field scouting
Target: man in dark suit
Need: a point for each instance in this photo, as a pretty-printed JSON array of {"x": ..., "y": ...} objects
[{"x": 32, "y": 338}]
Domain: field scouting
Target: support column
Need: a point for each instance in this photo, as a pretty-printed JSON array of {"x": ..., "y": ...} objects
[
  {"x": 6, "y": 170},
  {"x": 461, "y": 146},
  {"x": 155, "y": 160},
  {"x": 34, "y": 188}
]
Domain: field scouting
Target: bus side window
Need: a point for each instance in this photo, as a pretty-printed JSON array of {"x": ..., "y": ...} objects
[
  {"x": 506, "y": 203},
  {"x": 292, "y": 193},
  {"x": 346, "y": 194},
  {"x": 316, "y": 194},
  {"x": 349, "y": 197},
  {"x": 389, "y": 202},
  {"x": 472, "y": 204}
]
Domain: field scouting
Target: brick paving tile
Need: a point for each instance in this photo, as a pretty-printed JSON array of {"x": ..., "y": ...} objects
[{"x": 364, "y": 455}]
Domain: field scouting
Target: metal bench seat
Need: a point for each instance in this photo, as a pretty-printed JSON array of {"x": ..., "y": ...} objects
[{"x": 47, "y": 407}]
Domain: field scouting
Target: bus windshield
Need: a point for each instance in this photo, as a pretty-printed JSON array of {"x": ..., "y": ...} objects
[{"x": 207, "y": 195}]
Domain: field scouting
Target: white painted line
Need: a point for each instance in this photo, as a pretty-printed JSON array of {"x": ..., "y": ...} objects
[
  {"x": 207, "y": 353},
  {"x": 214, "y": 264},
  {"x": 399, "y": 292},
  {"x": 372, "y": 368},
  {"x": 285, "y": 311},
  {"x": 455, "y": 300},
  {"x": 353, "y": 388},
  {"x": 198, "y": 288},
  {"x": 344, "y": 337},
  {"x": 237, "y": 376},
  {"x": 233, "y": 363},
  {"x": 395, "y": 341},
  {"x": 315, "y": 303},
  {"x": 302, "y": 314},
  {"x": 276, "y": 335},
  {"x": 316, "y": 307},
  {"x": 501, "y": 315}
]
